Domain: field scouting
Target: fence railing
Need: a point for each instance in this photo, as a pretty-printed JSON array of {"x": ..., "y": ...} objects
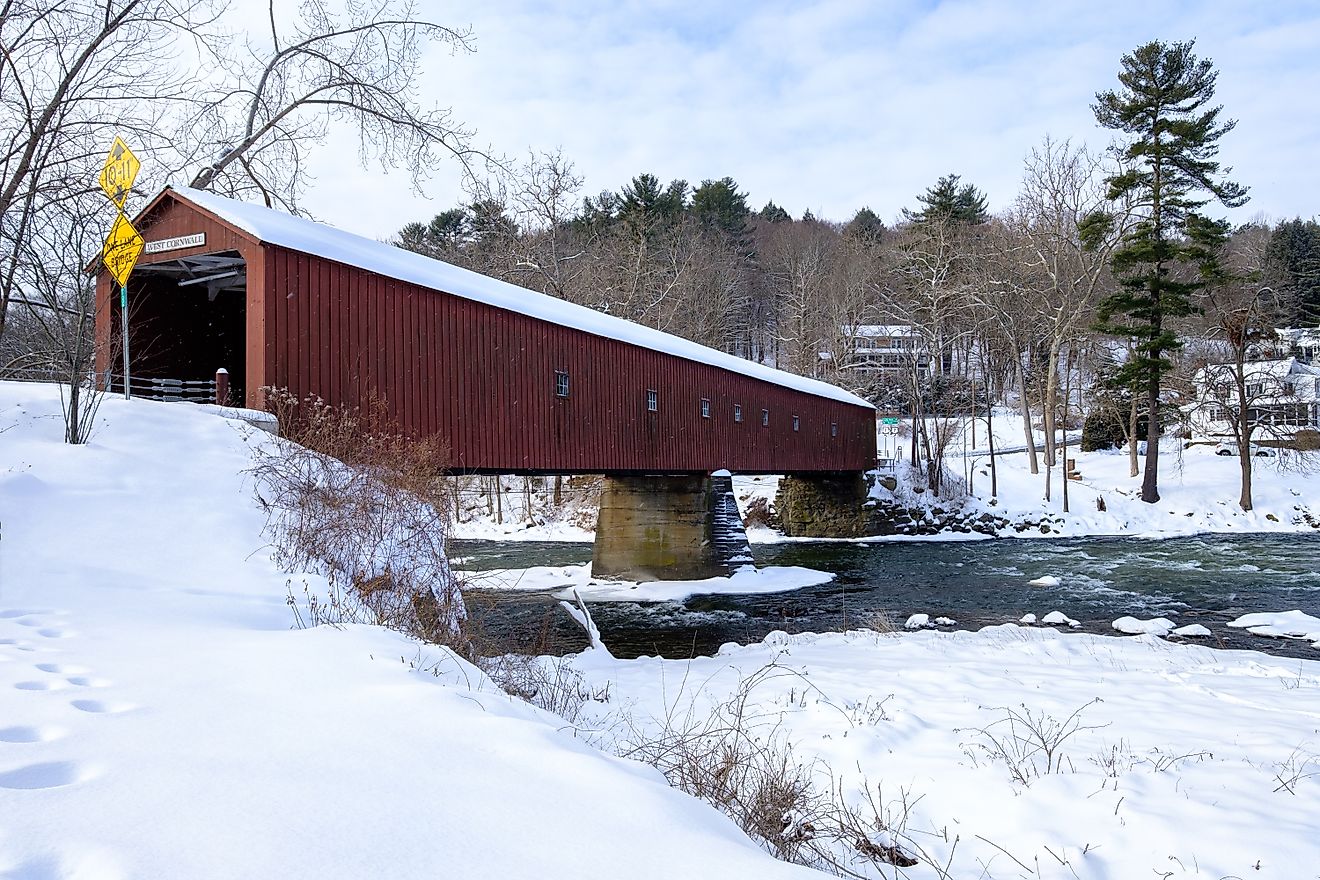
[{"x": 185, "y": 390}]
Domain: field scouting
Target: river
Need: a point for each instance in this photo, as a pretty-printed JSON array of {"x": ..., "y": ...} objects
[{"x": 1208, "y": 579}]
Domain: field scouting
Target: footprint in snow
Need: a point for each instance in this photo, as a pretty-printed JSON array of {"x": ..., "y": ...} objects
[
  {"x": 63, "y": 668},
  {"x": 18, "y": 612},
  {"x": 54, "y": 632},
  {"x": 102, "y": 707},
  {"x": 24, "y": 733},
  {"x": 49, "y": 774},
  {"x": 88, "y": 681},
  {"x": 44, "y": 685}
]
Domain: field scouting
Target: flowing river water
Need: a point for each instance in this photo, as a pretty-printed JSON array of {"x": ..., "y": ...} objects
[{"x": 1208, "y": 579}]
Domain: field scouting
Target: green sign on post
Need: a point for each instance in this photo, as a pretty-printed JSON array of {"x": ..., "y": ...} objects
[{"x": 889, "y": 420}]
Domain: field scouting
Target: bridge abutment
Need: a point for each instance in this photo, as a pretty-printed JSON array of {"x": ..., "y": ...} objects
[
  {"x": 824, "y": 506},
  {"x": 668, "y": 528}
]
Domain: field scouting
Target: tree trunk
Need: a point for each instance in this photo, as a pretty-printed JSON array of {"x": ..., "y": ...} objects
[
  {"x": 72, "y": 430},
  {"x": 1134, "y": 467},
  {"x": 1026, "y": 416},
  {"x": 1150, "y": 492},
  {"x": 1049, "y": 401},
  {"x": 1244, "y": 430}
]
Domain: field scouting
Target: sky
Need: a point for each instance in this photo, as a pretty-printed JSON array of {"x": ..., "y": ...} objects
[{"x": 832, "y": 106}]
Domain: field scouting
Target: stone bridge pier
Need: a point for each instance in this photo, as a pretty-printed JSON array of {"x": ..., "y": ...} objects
[
  {"x": 684, "y": 527},
  {"x": 824, "y": 506}
]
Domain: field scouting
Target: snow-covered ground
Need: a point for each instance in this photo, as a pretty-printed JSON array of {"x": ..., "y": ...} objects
[
  {"x": 159, "y": 717},
  {"x": 1179, "y": 761}
]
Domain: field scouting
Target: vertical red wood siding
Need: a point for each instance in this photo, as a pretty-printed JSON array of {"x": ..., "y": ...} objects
[{"x": 483, "y": 378}]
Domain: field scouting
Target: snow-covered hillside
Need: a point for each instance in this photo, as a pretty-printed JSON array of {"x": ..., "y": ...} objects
[{"x": 159, "y": 718}]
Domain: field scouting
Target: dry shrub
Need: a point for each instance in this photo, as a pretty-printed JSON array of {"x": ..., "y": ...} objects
[
  {"x": 739, "y": 761},
  {"x": 348, "y": 497},
  {"x": 758, "y": 513}
]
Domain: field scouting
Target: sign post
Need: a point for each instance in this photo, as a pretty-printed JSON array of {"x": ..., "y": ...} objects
[{"x": 123, "y": 245}]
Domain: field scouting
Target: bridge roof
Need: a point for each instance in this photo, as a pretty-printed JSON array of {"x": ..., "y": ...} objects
[{"x": 296, "y": 233}]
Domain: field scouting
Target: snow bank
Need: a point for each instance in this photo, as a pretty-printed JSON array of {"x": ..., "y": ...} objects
[
  {"x": 159, "y": 718},
  {"x": 1176, "y": 769}
]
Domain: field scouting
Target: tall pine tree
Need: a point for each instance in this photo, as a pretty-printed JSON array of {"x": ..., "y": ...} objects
[
  {"x": 950, "y": 200},
  {"x": 1170, "y": 172}
]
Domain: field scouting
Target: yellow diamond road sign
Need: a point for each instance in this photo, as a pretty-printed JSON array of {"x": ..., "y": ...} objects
[
  {"x": 122, "y": 248},
  {"x": 119, "y": 172}
]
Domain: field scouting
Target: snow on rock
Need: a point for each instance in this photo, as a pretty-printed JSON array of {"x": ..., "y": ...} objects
[
  {"x": 1058, "y": 618},
  {"x": 1048, "y": 580},
  {"x": 1192, "y": 631},
  {"x": 567, "y": 578},
  {"x": 1157, "y": 626},
  {"x": 945, "y": 621},
  {"x": 1027, "y": 619},
  {"x": 159, "y": 717},
  {"x": 918, "y": 621},
  {"x": 1281, "y": 625}
]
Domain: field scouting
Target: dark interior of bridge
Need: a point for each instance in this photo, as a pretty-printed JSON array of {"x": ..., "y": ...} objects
[{"x": 187, "y": 318}]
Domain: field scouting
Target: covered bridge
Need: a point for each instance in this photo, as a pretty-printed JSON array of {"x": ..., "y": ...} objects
[{"x": 516, "y": 382}]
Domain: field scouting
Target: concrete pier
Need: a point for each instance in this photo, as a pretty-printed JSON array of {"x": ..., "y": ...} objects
[{"x": 668, "y": 528}]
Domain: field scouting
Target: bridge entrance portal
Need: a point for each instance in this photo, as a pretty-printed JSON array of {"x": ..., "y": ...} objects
[{"x": 187, "y": 319}]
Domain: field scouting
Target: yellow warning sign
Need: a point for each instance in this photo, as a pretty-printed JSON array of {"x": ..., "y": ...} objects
[
  {"x": 121, "y": 250},
  {"x": 118, "y": 173}
]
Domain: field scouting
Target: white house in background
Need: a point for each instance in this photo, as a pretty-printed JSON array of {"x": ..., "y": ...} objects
[
  {"x": 887, "y": 349},
  {"x": 1283, "y": 396},
  {"x": 1302, "y": 343}
]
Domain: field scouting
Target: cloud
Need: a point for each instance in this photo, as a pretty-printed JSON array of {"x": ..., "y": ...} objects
[{"x": 834, "y": 105}]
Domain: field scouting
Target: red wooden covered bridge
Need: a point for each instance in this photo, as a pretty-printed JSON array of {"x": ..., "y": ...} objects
[{"x": 515, "y": 381}]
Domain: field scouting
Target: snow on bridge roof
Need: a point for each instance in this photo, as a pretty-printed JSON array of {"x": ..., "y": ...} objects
[{"x": 297, "y": 233}]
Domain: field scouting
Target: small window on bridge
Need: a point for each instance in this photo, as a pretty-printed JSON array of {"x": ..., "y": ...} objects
[
  {"x": 652, "y": 400},
  {"x": 561, "y": 383},
  {"x": 797, "y": 423},
  {"x": 834, "y": 429},
  {"x": 705, "y": 408},
  {"x": 737, "y": 412},
  {"x": 765, "y": 418}
]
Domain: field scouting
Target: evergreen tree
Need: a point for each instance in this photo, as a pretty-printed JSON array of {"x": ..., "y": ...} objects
[
  {"x": 772, "y": 213},
  {"x": 1169, "y": 164},
  {"x": 1294, "y": 256},
  {"x": 948, "y": 200},
  {"x": 864, "y": 227},
  {"x": 718, "y": 204},
  {"x": 443, "y": 236},
  {"x": 646, "y": 207}
]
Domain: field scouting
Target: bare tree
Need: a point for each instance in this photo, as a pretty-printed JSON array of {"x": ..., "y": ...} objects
[
  {"x": 358, "y": 66},
  {"x": 72, "y": 75},
  {"x": 1240, "y": 311},
  {"x": 58, "y": 296},
  {"x": 1065, "y": 253}
]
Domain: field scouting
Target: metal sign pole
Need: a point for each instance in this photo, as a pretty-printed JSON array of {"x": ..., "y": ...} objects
[{"x": 123, "y": 322}]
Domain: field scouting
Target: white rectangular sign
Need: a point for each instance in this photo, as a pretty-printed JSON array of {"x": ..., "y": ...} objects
[{"x": 197, "y": 239}]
